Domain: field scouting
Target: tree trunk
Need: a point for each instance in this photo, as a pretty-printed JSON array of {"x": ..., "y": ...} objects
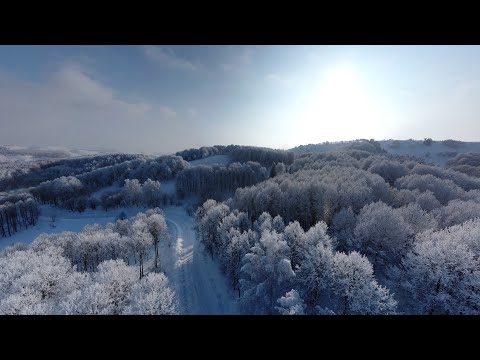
[{"x": 156, "y": 254}]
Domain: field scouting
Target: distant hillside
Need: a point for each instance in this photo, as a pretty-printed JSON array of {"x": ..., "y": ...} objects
[
  {"x": 436, "y": 152},
  {"x": 46, "y": 152}
]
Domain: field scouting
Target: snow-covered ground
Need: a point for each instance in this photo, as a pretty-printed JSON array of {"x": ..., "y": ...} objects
[
  {"x": 197, "y": 279},
  {"x": 212, "y": 160},
  {"x": 64, "y": 221},
  {"x": 437, "y": 152},
  {"x": 200, "y": 286}
]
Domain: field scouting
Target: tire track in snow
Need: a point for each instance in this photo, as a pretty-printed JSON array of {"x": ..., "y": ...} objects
[{"x": 201, "y": 286}]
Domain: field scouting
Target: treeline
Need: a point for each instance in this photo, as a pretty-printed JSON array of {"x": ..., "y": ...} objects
[
  {"x": 17, "y": 211},
  {"x": 102, "y": 171},
  {"x": 264, "y": 156},
  {"x": 72, "y": 192},
  {"x": 239, "y": 153},
  {"x": 213, "y": 181},
  {"x": 89, "y": 272},
  {"x": 200, "y": 153},
  {"x": 66, "y": 191},
  {"x": 371, "y": 146},
  {"x": 51, "y": 170}
]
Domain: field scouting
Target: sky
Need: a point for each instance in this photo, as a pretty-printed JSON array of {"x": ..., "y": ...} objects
[{"x": 162, "y": 99}]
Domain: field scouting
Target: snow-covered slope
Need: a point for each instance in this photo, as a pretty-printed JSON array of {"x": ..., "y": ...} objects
[
  {"x": 438, "y": 152},
  {"x": 16, "y": 157}
]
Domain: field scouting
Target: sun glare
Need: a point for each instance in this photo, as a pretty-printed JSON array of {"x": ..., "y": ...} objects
[{"x": 340, "y": 108}]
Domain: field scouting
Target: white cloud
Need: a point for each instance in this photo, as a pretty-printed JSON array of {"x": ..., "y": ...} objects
[
  {"x": 166, "y": 57},
  {"x": 73, "y": 109}
]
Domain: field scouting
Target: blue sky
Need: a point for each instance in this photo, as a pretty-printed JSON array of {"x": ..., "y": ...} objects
[{"x": 161, "y": 99}]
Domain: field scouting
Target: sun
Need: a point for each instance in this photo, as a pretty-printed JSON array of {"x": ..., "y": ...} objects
[{"x": 340, "y": 107}]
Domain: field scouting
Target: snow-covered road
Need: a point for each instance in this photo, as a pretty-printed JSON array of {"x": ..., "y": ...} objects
[{"x": 200, "y": 285}]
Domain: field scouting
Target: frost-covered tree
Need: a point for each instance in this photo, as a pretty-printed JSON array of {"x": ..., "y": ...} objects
[
  {"x": 443, "y": 276},
  {"x": 278, "y": 224},
  {"x": 456, "y": 212},
  {"x": 356, "y": 289},
  {"x": 95, "y": 299},
  {"x": 388, "y": 169},
  {"x": 264, "y": 222},
  {"x": 142, "y": 239},
  {"x": 267, "y": 274},
  {"x": 157, "y": 227},
  {"x": 280, "y": 168},
  {"x": 381, "y": 233},
  {"x": 343, "y": 225},
  {"x": 213, "y": 214},
  {"x": 427, "y": 201},
  {"x": 313, "y": 275},
  {"x": 132, "y": 190},
  {"x": 236, "y": 249},
  {"x": 418, "y": 219},
  {"x": 121, "y": 227},
  {"x": 151, "y": 192},
  {"x": 118, "y": 280},
  {"x": 443, "y": 189},
  {"x": 152, "y": 296},
  {"x": 33, "y": 281},
  {"x": 291, "y": 304},
  {"x": 294, "y": 237}
]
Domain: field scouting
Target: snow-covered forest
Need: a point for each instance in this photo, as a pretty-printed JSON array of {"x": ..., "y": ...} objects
[{"x": 361, "y": 227}]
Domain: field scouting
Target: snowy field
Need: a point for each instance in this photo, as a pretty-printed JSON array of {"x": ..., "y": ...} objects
[
  {"x": 212, "y": 160},
  {"x": 437, "y": 152},
  {"x": 64, "y": 221}
]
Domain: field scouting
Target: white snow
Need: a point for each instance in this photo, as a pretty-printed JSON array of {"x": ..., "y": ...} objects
[
  {"x": 437, "y": 152},
  {"x": 200, "y": 286},
  {"x": 197, "y": 279},
  {"x": 64, "y": 221},
  {"x": 212, "y": 160}
]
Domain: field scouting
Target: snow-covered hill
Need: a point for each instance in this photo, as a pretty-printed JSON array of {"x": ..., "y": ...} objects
[{"x": 436, "y": 152}]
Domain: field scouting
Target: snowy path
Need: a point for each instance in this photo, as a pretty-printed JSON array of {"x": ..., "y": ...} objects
[{"x": 200, "y": 285}]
